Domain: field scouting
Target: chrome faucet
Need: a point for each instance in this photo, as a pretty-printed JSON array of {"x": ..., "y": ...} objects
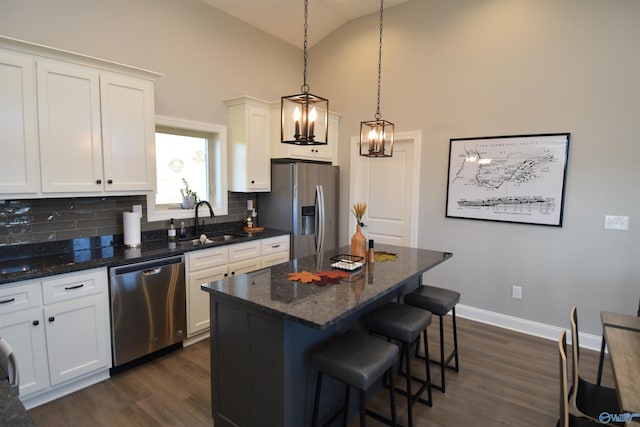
[{"x": 202, "y": 202}]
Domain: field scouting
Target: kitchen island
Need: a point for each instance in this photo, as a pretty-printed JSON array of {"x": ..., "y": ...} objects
[{"x": 265, "y": 328}]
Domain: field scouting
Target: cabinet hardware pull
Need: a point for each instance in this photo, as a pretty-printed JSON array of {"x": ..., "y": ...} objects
[
  {"x": 275, "y": 246},
  {"x": 7, "y": 301},
  {"x": 51, "y": 319},
  {"x": 109, "y": 181},
  {"x": 98, "y": 181},
  {"x": 36, "y": 322},
  {"x": 69, "y": 288}
]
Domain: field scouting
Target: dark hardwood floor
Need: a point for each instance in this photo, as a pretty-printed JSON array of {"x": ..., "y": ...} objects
[{"x": 506, "y": 378}]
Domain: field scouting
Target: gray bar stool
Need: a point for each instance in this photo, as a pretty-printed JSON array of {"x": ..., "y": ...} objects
[
  {"x": 358, "y": 360},
  {"x": 438, "y": 301},
  {"x": 403, "y": 323}
]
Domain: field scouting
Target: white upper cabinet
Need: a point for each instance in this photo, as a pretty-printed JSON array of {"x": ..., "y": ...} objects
[
  {"x": 128, "y": 133},
  {"x": 249, "y": 144},
  {"x": 19, "y": 166},
  {"x": 76, "y": 125},
  {"x": 69, "y": 122},
  {"x": 324, "y": 153}
]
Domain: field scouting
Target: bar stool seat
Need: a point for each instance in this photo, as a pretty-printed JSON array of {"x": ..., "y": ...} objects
[
  {"x": 404, "y": 324},
  {"x": 439, "y": 301},
  {"x": 358, "y": 360}
]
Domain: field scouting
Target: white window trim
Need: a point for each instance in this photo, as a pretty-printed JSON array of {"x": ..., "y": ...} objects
[{"x": 220, "y": 202}]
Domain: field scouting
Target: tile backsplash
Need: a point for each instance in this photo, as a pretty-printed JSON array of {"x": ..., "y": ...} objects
[{"x": 48, "y": 220}]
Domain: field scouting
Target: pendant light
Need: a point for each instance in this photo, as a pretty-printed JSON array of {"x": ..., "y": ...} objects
[
  {"x": 376, "y": 136},
  {"x": 304, "y": 116}
]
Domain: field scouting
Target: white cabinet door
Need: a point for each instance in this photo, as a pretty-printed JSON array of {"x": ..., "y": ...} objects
[
  {"x": 249, "y": 142},
  {"x": 24, "y": 330},
  {"x": 69, "y": 127},
  {"x": 76, "y": 341},
  {"x": 19, "y": 166},
  {"x": 128, "y": 133},
  {"x": 198, "y": 300}
]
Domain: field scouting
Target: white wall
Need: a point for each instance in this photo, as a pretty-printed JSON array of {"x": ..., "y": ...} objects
[
  {"x": 455, "y": 68},
  {"x": 464, "y": 68}
]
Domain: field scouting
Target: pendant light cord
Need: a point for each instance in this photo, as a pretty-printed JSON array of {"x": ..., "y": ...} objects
[
  {"x": 305, "y": 86},
  {"x": 378, "y": 116}
]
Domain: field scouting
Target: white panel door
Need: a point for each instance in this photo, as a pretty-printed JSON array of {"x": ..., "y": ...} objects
[
  {"x": 390, "y": 188},
  {"x": 19, "y": 166},
  {"x": 24, "y": 330},
  {"x": 69, "y": 120},
  {"x": 77, "y": 342},
  {"x": 128, "y": 133}
]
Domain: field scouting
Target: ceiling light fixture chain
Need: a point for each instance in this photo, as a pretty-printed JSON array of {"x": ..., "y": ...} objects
[
  {"x": 376, "y": 136},
  {"x": 305, "y": 86},
  {"x": 378, "y": 116},
  {"x": 304, "y": 116}
]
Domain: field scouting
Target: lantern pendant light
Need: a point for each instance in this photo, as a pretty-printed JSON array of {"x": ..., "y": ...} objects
[
  {"x": 376, "y": 136},
  {"x": 304, "y": 116}
]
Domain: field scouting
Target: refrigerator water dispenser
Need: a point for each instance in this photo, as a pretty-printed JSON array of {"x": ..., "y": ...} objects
[{"x": 308, "y": 220}]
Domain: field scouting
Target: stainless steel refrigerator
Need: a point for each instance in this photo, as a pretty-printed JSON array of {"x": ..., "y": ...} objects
[{"x": 303, "y": 201}]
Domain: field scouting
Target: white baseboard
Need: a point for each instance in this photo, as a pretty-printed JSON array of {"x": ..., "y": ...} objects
[{"x": 588, "y": 341}]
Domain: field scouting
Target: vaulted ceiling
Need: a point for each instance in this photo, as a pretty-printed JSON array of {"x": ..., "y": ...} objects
[{"x": 285, "y": 18}]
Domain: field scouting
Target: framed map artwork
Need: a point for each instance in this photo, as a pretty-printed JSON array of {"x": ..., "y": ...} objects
[{"x": 517, "y": 178}]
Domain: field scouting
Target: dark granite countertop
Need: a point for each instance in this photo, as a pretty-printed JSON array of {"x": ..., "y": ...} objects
[
  {"x": 12, "y": 411},
  {"x": 270, "y": 289},
  {"x": 85, "y": 258}
]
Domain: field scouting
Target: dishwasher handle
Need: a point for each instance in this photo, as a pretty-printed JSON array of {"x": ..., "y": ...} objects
[
  {"x": 147, "y": 267},
  {"x": 152, "y": 272}
]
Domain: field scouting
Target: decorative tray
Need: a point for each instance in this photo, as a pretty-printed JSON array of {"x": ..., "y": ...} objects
[{"x": 346, "y": 262}]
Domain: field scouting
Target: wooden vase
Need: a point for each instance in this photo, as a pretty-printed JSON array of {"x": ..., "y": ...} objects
[{"x": 359, "y": 244}]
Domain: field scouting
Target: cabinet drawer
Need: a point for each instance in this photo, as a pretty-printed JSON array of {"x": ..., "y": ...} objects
[
  {"x": 244, "y": 266},
  {"x": 207, "y": 258},
  {"x": 20, "y": 297},
  {"x": 276, "y": 258},
  {"x": 210, "y": 274},
  {"x": 275, "y": 245},
  {"x": 73, "y": 285},
  {"x": 242, "y": 251}
]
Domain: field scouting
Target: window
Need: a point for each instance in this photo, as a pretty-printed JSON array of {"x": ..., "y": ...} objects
[{"x": 189, "y": 151}]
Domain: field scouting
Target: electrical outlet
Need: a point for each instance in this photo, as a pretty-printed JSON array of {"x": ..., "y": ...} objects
[
  {"x": 516, "y": 292},
  {"x": 616, "y": 222}
]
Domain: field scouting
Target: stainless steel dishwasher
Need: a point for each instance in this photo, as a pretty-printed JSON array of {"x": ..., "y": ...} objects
[{"x": 148, "y": 307}]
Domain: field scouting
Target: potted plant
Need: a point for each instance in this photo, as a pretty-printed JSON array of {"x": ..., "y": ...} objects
[{"x": 189, "y": 197}]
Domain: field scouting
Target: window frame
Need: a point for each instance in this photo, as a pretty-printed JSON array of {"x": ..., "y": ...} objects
[{"x": 218, "y": 185}]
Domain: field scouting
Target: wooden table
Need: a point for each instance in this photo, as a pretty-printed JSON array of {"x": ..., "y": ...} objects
[
  {"x": 609, "y": 318},
  {"x": 622, "y": 335}
]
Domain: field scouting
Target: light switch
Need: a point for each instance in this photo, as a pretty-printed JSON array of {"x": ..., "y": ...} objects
[{"x": 616, "y": 222}]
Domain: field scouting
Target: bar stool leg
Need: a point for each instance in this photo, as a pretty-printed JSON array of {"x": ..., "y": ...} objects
[
  {"x": 392, "y": 397},
  {"x": 442, "y": 361},
  {"x": 345, "y": 414},
  {"x": 363, "y": 413},
  {"x": 427, "y": 365},
  {"x": 455, "y": 339},
  {"x": 409, "y": 395}
]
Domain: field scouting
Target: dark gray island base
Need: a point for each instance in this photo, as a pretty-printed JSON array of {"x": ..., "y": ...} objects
[{"x": 265, "y": 327}]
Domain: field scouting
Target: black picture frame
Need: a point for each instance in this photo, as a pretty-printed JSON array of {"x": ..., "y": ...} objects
[{"x": 514, "y": 178}]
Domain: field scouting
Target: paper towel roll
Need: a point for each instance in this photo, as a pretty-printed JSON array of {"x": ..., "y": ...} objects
[{"x": 131, "y": 222}]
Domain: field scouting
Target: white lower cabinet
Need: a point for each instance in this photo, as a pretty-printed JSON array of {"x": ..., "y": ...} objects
[
  {"x": 59, "y": 330},
  {"x": 208, "y": 265}
]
